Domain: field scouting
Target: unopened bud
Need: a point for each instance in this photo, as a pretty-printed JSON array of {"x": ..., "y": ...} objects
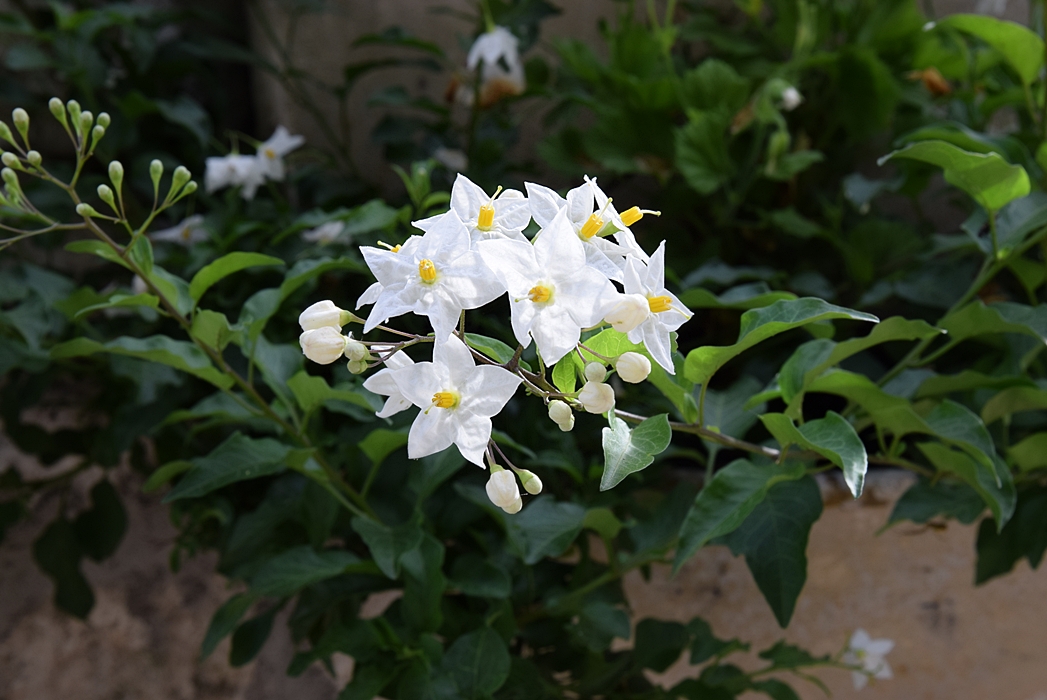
[
  {"x": 58, "y": 110},
  {"x": 189, "y": 188},
  {"x": 531, "y": 483},
  {"x": 180, "y": 177},
  {"x": 6, "y": 135},
  {"x": 628, "y": 312},
  {"x": 74, "y": 113},
  {"x": 633, "y": 367},
  {"x": 86, "y": 121},
  {"x": 21, "y": 119},
  {"x": 103, "y": 120},
  {"x": 595, "y": 372},
  {"x": 356, "y": 366},
  {"x": 10, "y": 160},
  {"x": 106, "y": 195},
  {"x": 321, "y": 314},
  {"x": 596, "y": 397},
  {"x": 116, "y": 174},
  {"x": 86, "y": 210},
  {"x": 156, "y": 171},
  {"x": 96, "y": 135},
  {"x": 10, "y": 178},
  {"x": 323, "y": 345},
  {"x": 560, "y": 412},
  {"x": 503, "y": 491},
  {"x": 356, "y": 351},
  {"x": 34, "y": 158}
]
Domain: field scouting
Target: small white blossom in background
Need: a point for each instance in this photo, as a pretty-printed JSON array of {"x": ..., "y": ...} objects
[
  {"x": 453, "y": 159},
  {"x": 505, "y": 214},
  {"x": 324, "y": 233},
  {"x": 501, "y": 72},
  {"x": 503, "y": 490},
  {"x": 869, "y": 654},
  {"x": 791, "y": 99},
  {"x": 667, "y": 313},
  {"x": 382, "y": 382},
  {"x": 233, "y": 171},
  {"x": 271, "y": 152},
  {"x": 191, "y": 230},
  {"x": 457, "y": 398}
]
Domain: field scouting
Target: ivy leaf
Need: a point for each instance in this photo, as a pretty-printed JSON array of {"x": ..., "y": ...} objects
[
  {"x": 628, "y": 451},
  {"x": 727, "y": 500},
  {"x": 388, "y": 544},
  {"x": 994, "y": 485},
  {"x": 1024, "y": 535},
  {"x": 927, "y": 499},
  {"x": 659, "y": 644},
  {"x": 832, "y": 437},
  {"x": 1022, "y": 48},
  {"x": 759, "y": 325},
  {"x": 544, "y": 528},
  {"x": 478, "y": 662},
  {"x": 236, "y": 459},
  {"x": 1006, "y": 317},
  {"x": 179, "y": 354},
  {"x": 986, "y": 177},
  {"x": 774, "y": 541},
  {"x": 312, "y": 391},
  {"x": 292, "y": 570},
  {"x": 225, "y": 620},
  {"x": 228, "y": 264}
]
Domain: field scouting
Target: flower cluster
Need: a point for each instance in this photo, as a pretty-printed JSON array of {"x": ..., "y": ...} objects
[
  {"x": 249, "y": 172},
  {"x": 560, "y": 283}
]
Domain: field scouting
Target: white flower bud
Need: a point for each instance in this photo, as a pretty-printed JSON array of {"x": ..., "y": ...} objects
[
  {"x": 103, "y": 120},
  {"x": 633, "y": 367},
  {"x": 34, "y": 157},
  {"x": 531, "y": 483},
  {"x": 321, "y": 314},
  {"x": 323, "y": 345},
  {"x": 356, "y": 351},
  {"x": 356, "y": 366},
  {"x": 10, "y": 160},
  {"x": 595, "y": 372},
  {"x": 21, "y": 119},
  {"x": 116, "y": 174},
  {"x": 568, "y": 425},
  {"x": 560, "y": 412},
  {"x": 503, "y": 490},
  {"x": 596, "y": 397},
  {"x": 514, "y": 507},
  {"x": 791, "y": 98},
  {"x": 84, "y": 209},
  {"x": 629, "y": 312}
]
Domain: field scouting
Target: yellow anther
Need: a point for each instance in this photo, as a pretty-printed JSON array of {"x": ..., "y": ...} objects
[
  {"x": 591, "y": 226},
  {"x": 391, "y": 248},
  {"x": 186, "y": 233},
  {"x": 270, "y": 154},
  {"x": 659, "y": 304},
  {"x": 485, "y": 221},
  {"x": 631, "y": 216},
  {"x": 540, "y": 294},
  {"x": 445, "y": 399},
  {"x": 427, "y": 271}
]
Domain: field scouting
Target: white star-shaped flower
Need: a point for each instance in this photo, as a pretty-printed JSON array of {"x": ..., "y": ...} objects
[
  {"x": 553, "y": 294},
  {"x": 234, "y": 171},
  {"x": 502, "y": 73},
  {"x": 666, "y": 312},
  {"x": 382, "y": 382},
  {"x": 503, "y": 215},
  {"x": 271, "y": 152},
  {"x": 869, "y": 654},
  {"x": 191, "y": 230},
  {"x": 434, "y": 275},
  {"x": 590, "y": 212},
  {"x": 324, "y": 233},
  {"x": 457, "y": 398}
]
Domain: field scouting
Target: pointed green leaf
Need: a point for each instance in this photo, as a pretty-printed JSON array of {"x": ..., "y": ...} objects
[
  {"x": 1021, "y": 47},
  {"x": 832, "y": 437},
  {"x": 478, "y": 662},
  {"x": 1006, "y": 317},
  {"x": 1030, "y": 453},
  {"x": 388, "y": 544},
  {"x": 311, "y": 391},
  {"x": 984, "y": 480},
  {"x": 224, "y": 266},
  {"x": 1014, "y": 400},
  {"x": 628, "y": 451},
  {"x": 225, "y": 620},
  {"x": 118, "y": 301},
  {"x": 294, "y": 569},
  {"x": 236, "y": 459},
  {"x": 179, "y": 354},
  {"x": 544, "y": 528}
]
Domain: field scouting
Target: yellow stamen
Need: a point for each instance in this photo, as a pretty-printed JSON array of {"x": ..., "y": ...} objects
[
  {"x": 270, "y": 153},
  {"x": 427, "y": 271},
  {"x": 392, "y": 248},
  {"x": 485, "y": 220},
  {"x": 186, "y": 233},
  {"x": 445, "y": 399},
  {"x": 631, "y": 216},
  {"x": 591, "y": 226},
  {"x": 659, "y": 304},
  {"x": 540, "y": 294}
]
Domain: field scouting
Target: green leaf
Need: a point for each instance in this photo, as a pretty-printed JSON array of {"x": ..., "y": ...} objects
[
  {"x": 754, "y": 295},
  {"x": 382, "y": 442},
  {"x": 236, "y": 459},
  {"x": 294, "y": 569},
  {"x": 311, "y": 391},
  {"x": 628, "y": 451},
  {"x": 475, "y": 576},
  {"x": 659, "y": 644},
  {"x": 57, "y": 553},
  {"x": 368, "y": 681},
  {"x": 213, "y": 329},
  {"x": 701, "y": 152},
  {"x": 1025, "y": 535},
  {"x": 788, "y": 656},
  {"x": 603, "y": 522},
  {"x": 101, "y": 528},
  {"x": 725, "y": 411},
  {"x": 102, "y": 250},
  {"x": 544, "y": 528},
  {"x": 832, "y": 437},
  {"x": 599, "y": 623},
  {"x": 727, "y": 500},
  {"x": 121, "y": 301},
  {"x": 986, "y": 177},
  {"x": 224, "y": 266},
  {"x": 179, "y": 354},
  {"x": 776, "y": 689},
  {"x": 250, "y": 637},
  {"x": 1006, "y": 317},
  {"x": 774, "y": 541},
  {"x": 388, "y": 544},
  {"x": 492, "y": 347},
  {"x": 1013, "y": 400},
  {"x": 1000, "y": 497},
  {"x": 1030, "y": 453},
  {"x": 705, "y": 644},
  {"x": 424, "y": 585},
  {"x": 760, "y": 324},
  {"x": 478, "y": 662},
  {"x": 1021, "y": 47},
  {"x": 966, "y": 380},
  {"x": 565, "y": 373},
  {"x": 165, "y": 473},
  {"x": 225, "y": 620},
  {"x": 929, "y": 499},
  {"x": 715, "y": 86}
]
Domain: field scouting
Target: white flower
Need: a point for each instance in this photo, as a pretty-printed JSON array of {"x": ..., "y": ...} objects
[
  {"x": 503, "y": 491},
  {"x": 628, "y": 312},
  {"x": 271, "y": 152},
  {"x": 322, "y": 313},
  {"x": 868, "y": 653},
  {"x": 382, "y": 382},
  {"x": 457, "y": 399},
  {"x": 595, "y": 372},
  {"x": 188, "y": 232},
  {"x": 324, "y": 233},
  {"x": 434, "y": 275},
  {"x": 234, "y": 171},
  {"x": 323, "y": 345},
  {"x": 531, "y": 483},
  {"x": 590, "y": 214},
  {"x": 451, "y": 158},
  {"x": 502, "y": 73},
  {"x": 596, "y": 397},
  {"x": 502, "y": 215},
  {"x": 791, "y": 98},
  {"x": 667, "y": 313},
  {"x": 633, "y": 367},
  {"x": 553, "y": 294}
]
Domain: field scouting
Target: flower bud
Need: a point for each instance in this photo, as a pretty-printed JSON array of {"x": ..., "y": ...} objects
[
  {"x": 6, "y": 135},
  {"x": 323, "y": 345},
  {"x": 86, "y": 210},
  {"x": 156, "y": 171},
  {"x": 356, "y": 366},
  {"x": 531, "y": 483},
  {"x": 10, "y": 179},
  {"x": 116, "y": 174},
  {"x": 596, "y": 397},
  {"x": 560, "y": 412},
  {"x": 791, "y": 98},
  {"x": 503, "y": 490},
  {"x": 21, "y": 119},
  {"x": 34, "y": 158},
  {"x": 633, "y": 367},
  {"x": 180, "y": 177},
  {"x": 595, "y": 372},
  {"x": 74, "y": 113},
  {"x": 11, "y": 160},
  {"x": 356, "y": 351},
  {"x": 189, "y": 188},
  {"x": 58, "y": 110},
  {"x": 628, "y": 312},
  {"x": 103, "y": 120},
  {"x": 86, "y": 121},
  {"x": 322, "y": 313},
  {"x": 96, "y": 135},
  {"x": 106, "y": 195}
]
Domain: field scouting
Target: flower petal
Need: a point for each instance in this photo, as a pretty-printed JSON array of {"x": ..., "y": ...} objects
[
  {"x": 488, "y": 389},
  {"x": 431, "y": 432}
]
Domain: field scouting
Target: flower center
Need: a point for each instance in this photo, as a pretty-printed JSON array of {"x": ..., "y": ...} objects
[
  {"x": 427, "y": 271},
  {"x": 540, "y": 293},
  {"x": 659, "y": 304},
  {"x": 186, "y": 233},
  {"x": 591, "y": 226},
  {"x": 485, "y": 220},
  {"x": 270, "y": 154},
  {"x": 445, "y": 399}
]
